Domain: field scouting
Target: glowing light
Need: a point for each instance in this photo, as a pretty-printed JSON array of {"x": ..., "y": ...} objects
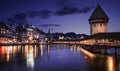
[
  {"x": 61, "y": 37},
  {"x": 78, "y": 48},
  {"x": 41, "y": 42},
  {"x": 30, "y": 34},
  {"x": 48, "y": 49},
  {"x": 35, "y": 52},
  {"x": 14, "y": 50},
  {"x": 30, "y": 60},
  {"x": 30, "y": 57},
  {"x": 87, "y": 53},
  {"x": 10, "y": 49},
  {"x": 110, "y": 64},
  {"x": 8, "y": 57},
  {"x": 71, "y": 49},
  {"x": 41, "y": 50}
]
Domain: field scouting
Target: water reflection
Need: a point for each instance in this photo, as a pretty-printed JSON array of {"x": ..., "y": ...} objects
[
  {"x": 6, "y": 52},
  {"x": 10, "y": 53},
  {"x": 100, "y": 62},
  {"x": 48, "y": 47},
  {"x": 41, "y": 50},
  {"x": 91, "y": 55},
  {"x": 30, "y": 56},
  {"x": 45, "y": 57},
  {"x": 110, "y": 63}
]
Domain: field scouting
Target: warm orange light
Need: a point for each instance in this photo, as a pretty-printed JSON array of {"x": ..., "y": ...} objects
[
  {"x": 110, "y": 64},
  {"x": 61, "y": 37},
  {"x": 91, "y": 55},
  {"x": 30, "y": 57}
]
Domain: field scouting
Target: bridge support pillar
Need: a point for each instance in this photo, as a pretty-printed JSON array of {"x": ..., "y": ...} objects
[
  {"x": 104, "y": 51},
  {"x": 99, "y": 50},
  {"x": 115, "y": 51}
]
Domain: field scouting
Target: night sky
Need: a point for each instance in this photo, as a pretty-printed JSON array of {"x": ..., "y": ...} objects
[{"x": 71, "y": 15}]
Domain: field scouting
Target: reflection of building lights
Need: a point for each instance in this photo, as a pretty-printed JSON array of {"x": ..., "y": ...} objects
[
  {"x": 110, "y": 64},
  {"x": 14, "y": 50},
  {"x": 10, "y": 49},
  {"x": 30, "y": 60},
  {"x": 48, "y": 49},
  {"x": 41, "y": 42},
  {"x": 78, "y": 48},
  {"x": 30, "y": 57},
  {"x": 87, "y": 53},
  {"x": 26, "y": 49},
  {"x": 85, "y": 57},
  {"x": 35, "y": 51},
  {"x": 8, "y": 57},
  {"x": 41, "y": 50},
  {"x": 71, "y": 49},
  {"x": 7, "y": 51}
]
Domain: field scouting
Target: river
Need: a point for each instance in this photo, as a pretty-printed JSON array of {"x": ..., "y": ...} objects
[{"x": 55, "y": 58}]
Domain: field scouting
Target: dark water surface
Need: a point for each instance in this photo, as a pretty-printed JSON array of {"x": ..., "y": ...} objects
[{"x": 54, "y": 58}]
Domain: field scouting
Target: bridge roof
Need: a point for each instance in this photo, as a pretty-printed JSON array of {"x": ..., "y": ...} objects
[{"x": 109, "y": 35}]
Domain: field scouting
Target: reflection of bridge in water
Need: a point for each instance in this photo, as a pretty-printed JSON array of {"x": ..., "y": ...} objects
[{"x": 93, "y": 47}]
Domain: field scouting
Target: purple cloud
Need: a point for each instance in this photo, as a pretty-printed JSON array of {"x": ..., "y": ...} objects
[
  {"x": 44, "y": 14},
  {"x": 72, "y": 10}
]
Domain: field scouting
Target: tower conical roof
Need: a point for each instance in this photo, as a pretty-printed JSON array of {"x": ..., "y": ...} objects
[{"x": 98, "y": 14}]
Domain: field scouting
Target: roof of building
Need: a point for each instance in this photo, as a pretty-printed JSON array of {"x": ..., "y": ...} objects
[
  {"x": 98, "y": 14},
  {"x": 3, "y": 25},
  {"x": 108, "y": 35}
]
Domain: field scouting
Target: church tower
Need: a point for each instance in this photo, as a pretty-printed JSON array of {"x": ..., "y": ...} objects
[{"x": 98, "y": 21}]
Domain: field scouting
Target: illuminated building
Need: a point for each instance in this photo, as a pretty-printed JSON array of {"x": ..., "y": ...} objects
[
  {"x": 33, "y": 34},
  {"x": 61, "y": 37},
  {"x": 5, "y": 35},
  {"x": 4, "y": 28},
  {"x": 30, "y": 34}
]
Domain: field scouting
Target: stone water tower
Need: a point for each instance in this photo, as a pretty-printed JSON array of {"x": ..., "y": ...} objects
[{"x": 98, "y": 21}]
